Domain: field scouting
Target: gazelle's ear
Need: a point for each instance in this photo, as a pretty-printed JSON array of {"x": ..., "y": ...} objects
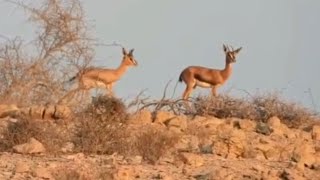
[
  {"x": 237, "y": 50},
  {"x": 225, "y": 49},
  {"x": 124, "y": 52},
  {"x": 130, "y": 52}
]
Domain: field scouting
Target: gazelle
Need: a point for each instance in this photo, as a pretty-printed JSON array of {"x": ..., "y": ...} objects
[
  {"x": 194, "y": 76},
  {"x": 93, "y": 77}
]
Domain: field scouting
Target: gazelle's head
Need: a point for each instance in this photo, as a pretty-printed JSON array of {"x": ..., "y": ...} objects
[
  {"x": 231, "y": 54},
  {"x": 128, "y": 58}
]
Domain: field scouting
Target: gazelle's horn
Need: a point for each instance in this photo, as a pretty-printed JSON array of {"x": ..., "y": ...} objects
[{"x": 228, "y": 49}]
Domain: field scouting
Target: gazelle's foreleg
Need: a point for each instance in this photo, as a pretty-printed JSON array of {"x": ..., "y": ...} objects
[
  {"x": 109, "y": 89},
  {"x": 187, "y": 92},
  {"x": 214, "y": 90}
]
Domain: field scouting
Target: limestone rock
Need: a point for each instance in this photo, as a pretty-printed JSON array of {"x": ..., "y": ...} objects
[
  {"x": 274, "y": 122},
  {"x": 141, "y": 117},
  {"x": 192, "y": 159},
  {"x": 237, "y": 143},
  {"x": 8, "y": 110},
  {"x": 179, "y": 122},
  {"x": 31, "y": 147},
  {"x": 247, "y": 125},
  {"x": 316, "y": 132},
  {"x": 135, "y": 160},
  {"x": 188, "y": 143},
  {"x": 304, "y": 154},
  {"x": 68, "y": 147},
  {"x": 22, "y": 167},
  {"x": 163, "y": 116},
  {"x": 43, "y": 173},
  {"x": 124, "y": 173},
  {"x": 263, "y": 128}
]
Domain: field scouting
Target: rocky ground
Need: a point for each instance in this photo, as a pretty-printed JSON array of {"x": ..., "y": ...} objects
[{"x": 206, "y": 148}]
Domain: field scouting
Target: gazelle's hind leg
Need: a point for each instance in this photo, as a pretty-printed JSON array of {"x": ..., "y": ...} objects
[{"x": 189, "y": 87}]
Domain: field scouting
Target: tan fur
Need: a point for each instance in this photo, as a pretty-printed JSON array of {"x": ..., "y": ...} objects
[
  {"x": 194, "y": 76},
  {"x": 102, "y": 77}
]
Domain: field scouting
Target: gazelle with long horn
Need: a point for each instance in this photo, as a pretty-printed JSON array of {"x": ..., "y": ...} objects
[
  {"x": 94, "y": 77},
  {"x": 194, "y": 76}
]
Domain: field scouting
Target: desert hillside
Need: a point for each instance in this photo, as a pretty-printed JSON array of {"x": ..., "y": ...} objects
[{"x": 105, "y": 141}]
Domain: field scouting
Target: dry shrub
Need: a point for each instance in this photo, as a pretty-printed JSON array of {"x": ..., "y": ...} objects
[
  {"x": 34, "y": 71},
  {"x": 290, "y": 113},
  {"x": 223, "y": 106},
  {"x": 201, "y": 132},
  {"x": 152, "y": 144},
  {"x": 44, "y": 131},
  {"x": 102, "y": 129},
  {"x": 259, "y": 108},
  {"x": 70, "y": 174},
  {"x": 101, "y": 126}
]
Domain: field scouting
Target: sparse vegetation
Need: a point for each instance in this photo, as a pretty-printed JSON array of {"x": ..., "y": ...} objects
[
  {"x": 210, "y": 125},
  {"x": 258, "y": 108},
  {"x": 51, "y": 136},
  {"x": 102, "y": 129},
  {"x": 152, "y": 144},
  {"x": 101, "y": 126},
  {"x": 33, "y": 72}
]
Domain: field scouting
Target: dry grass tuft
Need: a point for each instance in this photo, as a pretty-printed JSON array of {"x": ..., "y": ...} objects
[
  {"x": 153, "y": 144},
  {"x": 21, "y": 131},
  {"x": 259, "y": 108},
  {"x": 101, "y": 127},
  {"x": 223, "y": 106},
  {"x": 290, "y": 113}
]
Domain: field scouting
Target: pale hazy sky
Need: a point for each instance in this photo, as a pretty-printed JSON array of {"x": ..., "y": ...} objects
[{"x": 280, "y": 40}]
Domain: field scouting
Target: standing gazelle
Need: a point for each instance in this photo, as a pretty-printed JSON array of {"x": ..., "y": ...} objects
[
  {"x": 194, "y": 76},
  {"x": 94, "y": 77}
]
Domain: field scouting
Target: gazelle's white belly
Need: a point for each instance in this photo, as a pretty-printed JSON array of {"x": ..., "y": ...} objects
[
  {"x": 90, "y": 83},
  {"x": 203, "y": 84},
  {"x": 100, "y": 84}
]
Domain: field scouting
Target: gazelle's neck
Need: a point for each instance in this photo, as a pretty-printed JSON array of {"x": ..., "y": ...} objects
[
  {"x": 226, "y": 72},
  {"x": 121, "y": 69}
]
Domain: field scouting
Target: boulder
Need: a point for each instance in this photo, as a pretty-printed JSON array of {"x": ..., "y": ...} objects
[
  {"x": 316, "y": 132},
  {"x": 274, "y": 122},
  {"x": 192, "y": 159},
  {"x": 22, "y": 167},
  {"x": 188, "y": 143},
  {"x": 237, "y": 143},
  {"x": 68, "y": 147},
  {"x": 141, "y": 117},
  {"x": 8, "y": 110},
  {"x": 247, "y": 125},
  {"x": 124, "y": 173},
  {"x": 42, "y": 173},
  {"x": 263, "y": 128},
  {"x": 163, "y": 116},
  {"x": 304, "y": 154},
  {"x": 179, "y": 123},
  {"x": 33, "y": 146}
]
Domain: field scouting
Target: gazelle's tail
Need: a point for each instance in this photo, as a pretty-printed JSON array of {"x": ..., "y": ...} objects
[{"x": 180, "y": 77}]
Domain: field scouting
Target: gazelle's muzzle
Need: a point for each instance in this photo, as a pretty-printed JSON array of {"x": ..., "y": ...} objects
[{"x": 135, "y": 62}]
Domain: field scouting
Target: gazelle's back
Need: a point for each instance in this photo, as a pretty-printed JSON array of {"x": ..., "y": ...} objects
[{"x": 201, "y": 73}]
